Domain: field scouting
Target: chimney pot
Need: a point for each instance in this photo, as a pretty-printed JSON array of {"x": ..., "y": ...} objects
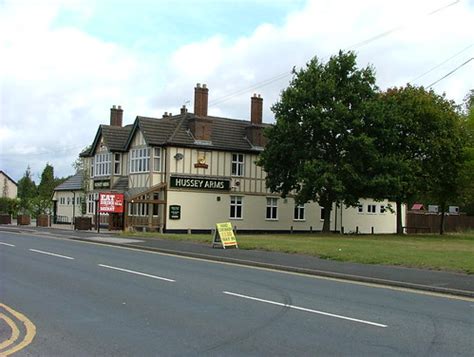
[
  {"x": 198, "y": 85},
  {"x": 116, "y": 116},
  {"x": 204, "y": 85},
  {"x": 256, "y": 107},
  {"x": 201, "y": 100}
]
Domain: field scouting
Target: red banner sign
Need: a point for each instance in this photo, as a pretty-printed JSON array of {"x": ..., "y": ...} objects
[{"x": 111, "y": 202}]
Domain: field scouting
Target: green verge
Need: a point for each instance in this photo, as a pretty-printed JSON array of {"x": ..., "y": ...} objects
[{"x": 452, "y": 252}]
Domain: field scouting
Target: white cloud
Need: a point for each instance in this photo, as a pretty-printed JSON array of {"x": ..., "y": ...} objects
[{"x": 58, "y": 83}]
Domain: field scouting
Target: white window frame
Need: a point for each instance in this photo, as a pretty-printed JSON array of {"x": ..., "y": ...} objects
[
  {"x": 360, "y": 208},
  {"x": 372, "y": 209},
  {"x": 322, "y": 213},
  {"x": 271, "y": 210},
  {"x": 140, "y": 160},
  {"x": 299, "y": 213},
  {"x": 157, "y": 159},
  {"x": 383, "y": 209},
  {"x": 238, "y": 165},
  {"x": 91, "y": 199},
  {"x": 117, "y": 163},
  {"x": 236, "y": 207},
  {"x": 102, "y": 164},
  {"x": 138, "y": 209},
  {"x": 92, "y": 167}
]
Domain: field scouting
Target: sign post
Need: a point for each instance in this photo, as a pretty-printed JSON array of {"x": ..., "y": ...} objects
[{"x": 224, "y": 236}]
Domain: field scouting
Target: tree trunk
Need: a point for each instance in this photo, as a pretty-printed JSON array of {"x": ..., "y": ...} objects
[
  {"x": 399, "y": 217},
  {"x": 441, "y": 224},
  {"x": 327, "y": 218}
]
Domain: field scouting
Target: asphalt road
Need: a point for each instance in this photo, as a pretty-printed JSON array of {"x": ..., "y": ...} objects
[{"x": 86, "y": 299}]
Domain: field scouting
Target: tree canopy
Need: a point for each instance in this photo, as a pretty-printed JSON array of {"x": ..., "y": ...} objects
[
  {"x": 338, "y": 139},
  {"x": 312, "y": 149}
]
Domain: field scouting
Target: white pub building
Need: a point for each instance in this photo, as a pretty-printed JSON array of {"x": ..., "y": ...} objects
[{"x": 187, "y": 172}]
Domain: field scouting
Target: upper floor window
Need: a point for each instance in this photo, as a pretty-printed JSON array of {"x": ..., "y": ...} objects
[
  {"x": 157, "y": 159},
  {"x": 140, "y": 160},
  {"x": 92, "y": 167},
  {"x": 360, "y": 208},
  {"x": 102, "y": 164},
  {"x": 372, "y": 208},
  {"x": 237, "y": 164},
  {"x": 116, "y": 164},
  {"x": 298, "y": 214}
]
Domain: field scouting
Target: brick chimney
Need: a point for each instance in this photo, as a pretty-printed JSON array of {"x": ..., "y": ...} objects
[
  {"x": 116, "y": 116},
  {"x": 201, "y": 124},
  {"x": 254, "y": 131},
  {"x": 256, "y": 106},
  {"x": 200, "y": 100}
]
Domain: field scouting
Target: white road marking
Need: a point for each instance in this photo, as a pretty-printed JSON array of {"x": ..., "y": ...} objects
[
  {"x": 305, "y": 309},
  {"x": 137, "y": 273},
  {"x": 381, "y": 285},
  {"x": 52, "y": 254},
  {"x": 10, "y": 245}
]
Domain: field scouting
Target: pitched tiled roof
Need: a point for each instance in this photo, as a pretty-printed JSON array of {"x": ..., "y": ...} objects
[
  {"x": 115, "y": 138},
  {"x": 227, "y": 134},
  {"x": 73, "y": 183},
  {"x": 121, "y": 184}
]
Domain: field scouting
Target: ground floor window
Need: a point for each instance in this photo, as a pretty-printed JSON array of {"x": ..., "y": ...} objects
[
  {"x": 272, "y": 208},
  {"x": 298, "y": 214},
  {"x": 91, "y": 201},
  {"x": 236, "y": 207},
  {"x": 138, "y": 209}
]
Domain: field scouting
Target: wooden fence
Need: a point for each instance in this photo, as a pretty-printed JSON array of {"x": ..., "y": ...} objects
[{"x": 425, "y": 222}]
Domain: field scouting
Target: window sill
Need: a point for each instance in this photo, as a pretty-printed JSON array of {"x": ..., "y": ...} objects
[{"x": 236, "y": 219}]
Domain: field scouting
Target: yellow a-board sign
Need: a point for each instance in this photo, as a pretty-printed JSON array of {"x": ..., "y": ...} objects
[{"x": 224, "y": 235}]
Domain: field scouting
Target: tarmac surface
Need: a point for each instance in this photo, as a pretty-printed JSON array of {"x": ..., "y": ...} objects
[{"x": 418, "y": 279}]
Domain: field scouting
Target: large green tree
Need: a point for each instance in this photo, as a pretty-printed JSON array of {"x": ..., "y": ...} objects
[
  {"x": 314, "y": 149},
  {"x": 419, "y": 148}
]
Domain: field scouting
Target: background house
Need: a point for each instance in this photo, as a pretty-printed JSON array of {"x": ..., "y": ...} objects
[{"x": 8, "y": 186}]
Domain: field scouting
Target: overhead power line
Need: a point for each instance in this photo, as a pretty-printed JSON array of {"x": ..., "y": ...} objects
[
  {"x": 440, "y": 64},
  {"x": 287, "y": 74},
  {"x": 451, "y": 72}
]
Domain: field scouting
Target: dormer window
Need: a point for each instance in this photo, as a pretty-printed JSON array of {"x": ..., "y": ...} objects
[{"x": 102, "y": 164}]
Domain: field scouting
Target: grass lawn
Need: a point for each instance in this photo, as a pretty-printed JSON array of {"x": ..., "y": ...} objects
[{"x": 453, "y": 252}]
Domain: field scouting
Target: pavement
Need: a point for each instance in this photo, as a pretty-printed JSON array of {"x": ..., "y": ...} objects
[{"x": 419, "y": 279}]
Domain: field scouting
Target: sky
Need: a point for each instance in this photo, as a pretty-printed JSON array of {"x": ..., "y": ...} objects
[{"x": 64, "y": 63}]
